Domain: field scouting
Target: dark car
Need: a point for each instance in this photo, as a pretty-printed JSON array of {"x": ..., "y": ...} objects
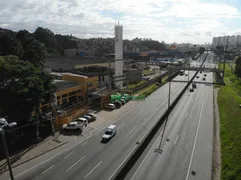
[
  {"x": 197, "y": 77},
  {"x": 205, "y": 74},
  {"x": 194, "y": 85},
  {"x": 191, "y": 89},
  {"x": 122, "y": 101},
  {"x": 117, "y": 104}
]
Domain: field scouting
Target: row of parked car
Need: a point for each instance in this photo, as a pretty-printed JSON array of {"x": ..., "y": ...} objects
[
  {"x": 118, "y": 103},
  {"x": 81, "y": 122}
]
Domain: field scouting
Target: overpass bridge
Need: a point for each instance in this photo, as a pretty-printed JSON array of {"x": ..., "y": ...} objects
[{"x": 194, "y": 69}]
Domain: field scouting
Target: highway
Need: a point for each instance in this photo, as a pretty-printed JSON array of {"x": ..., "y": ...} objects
[
  {"x": 188, "y": 153},
  {"x": 95, "y": 160}
]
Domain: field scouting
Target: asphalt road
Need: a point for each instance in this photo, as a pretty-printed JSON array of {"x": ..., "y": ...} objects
[
  {"x": 95, "y": 160},
  {"x": 188, "y": 153}
]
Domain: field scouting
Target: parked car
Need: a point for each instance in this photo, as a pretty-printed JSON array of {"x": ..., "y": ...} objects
[
  {"x": 117, "y": 104},
  {"x": 122, "y": 101},
  {"x": 74, "y": 125},
  {"x": 94, "y": 116},
  {"x": 197, "y": 77},
  {"x": 204, "y": 78},
  {"x": 89, "y": 118},
  {"x": 126, "y": 99},
  {"x": 191, "y": 89},
  {"x": 83, "y": 121},
  {"x": 109, "y": 133},
  {"x": 110, "y": 106},
  {"x": 205, "y": 74}
]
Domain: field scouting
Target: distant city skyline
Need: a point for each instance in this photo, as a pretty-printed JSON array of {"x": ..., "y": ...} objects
[
  {"x": 231, "y": 41},
  {"x": 181, "y": 21}
]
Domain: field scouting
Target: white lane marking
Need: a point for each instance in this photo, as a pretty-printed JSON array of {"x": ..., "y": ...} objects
[
  {"x": 153, "y": 110},
  {"x": 195, "y": 141},
  {"x": 75, "y": 163},
  {"x": 84, "y": 143},
  {"x": 96, "y": 134},
  {"x": 68, "y": 155},
  {"x": 122, "y": 162},
  {"x": 145, "y": 157},
  {"x": 148, "y": 130},
  {"x": 36, "y": 166},
  {"x": 93, "y": 169},
  {"x": 120, "y": 126},
  {"x": 186, "y": 115},
  {"x": 130, "y": 132},
  {"x": 47, "y": 170},
  {"x": 176, "y": 139}
]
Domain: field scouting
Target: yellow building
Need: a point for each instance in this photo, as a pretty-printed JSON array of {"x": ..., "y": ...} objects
[
  {"x": 90, "y": 83},
  {"x": 68, "y": 93}
]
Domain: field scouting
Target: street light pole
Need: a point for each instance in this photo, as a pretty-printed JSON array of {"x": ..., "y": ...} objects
[
  {"x": 169, "y": 103},
  {"x": 6, "y": 153},
  {"x": 6, "y": 148}
]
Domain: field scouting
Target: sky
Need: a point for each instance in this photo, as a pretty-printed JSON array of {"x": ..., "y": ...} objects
[{"x": 180, "y": 21}]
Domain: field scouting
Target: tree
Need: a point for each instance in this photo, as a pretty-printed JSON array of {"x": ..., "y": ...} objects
[
  {"x": 45, "y": 36},
  {"x": 201, "y": 50},
  {"x": 238, "y": 66},
  {"x": 22, "y": 87},
  {"x": 10, "y": 44},
  {"x": 35, "y": 52}
]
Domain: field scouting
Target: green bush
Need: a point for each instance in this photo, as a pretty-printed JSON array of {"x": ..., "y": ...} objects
[{"x": 230, "y": 126}]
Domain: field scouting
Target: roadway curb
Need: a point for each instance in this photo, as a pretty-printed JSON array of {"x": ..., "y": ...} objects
[
  {"x": 121, "y": 173},
  {"x": 35, "y": 157}
]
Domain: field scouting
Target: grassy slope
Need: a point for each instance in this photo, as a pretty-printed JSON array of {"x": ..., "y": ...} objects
[
  {"x": 230, "y": 124},
  {"x": 131, "y": 86}
]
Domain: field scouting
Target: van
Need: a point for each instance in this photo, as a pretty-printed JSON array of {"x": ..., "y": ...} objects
[{"x": 109, "y": 133}]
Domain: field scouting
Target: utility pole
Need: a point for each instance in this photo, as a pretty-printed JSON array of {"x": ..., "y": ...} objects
[
  {"x": 225, "y": 56},
  {"x": 127, "y": 74},
  {"x": 6, "y": 153},
  {"x": 110, "y": 82},
  {"x": 169, "y": 103},
  {"x": 37, "y": 121}
]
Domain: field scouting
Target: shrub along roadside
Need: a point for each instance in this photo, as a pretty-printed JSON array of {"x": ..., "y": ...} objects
[
  {"x": 230, "y": 126},
  {"x": 147, "y": 91}
]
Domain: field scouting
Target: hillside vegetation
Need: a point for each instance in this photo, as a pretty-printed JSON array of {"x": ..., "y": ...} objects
[{"x": 229, "y": 99}]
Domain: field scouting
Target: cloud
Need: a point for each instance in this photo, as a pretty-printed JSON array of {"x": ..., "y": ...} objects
[{"x": 168, "y": 20}]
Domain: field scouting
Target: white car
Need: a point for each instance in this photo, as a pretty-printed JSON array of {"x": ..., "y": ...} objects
[
  {"x": 82, "y": 121},
  {"x": 74, "y": 125},
  {"x": 110, "y": 106},
  {"x": 109, "y": 133},
  {"x": 89, "y": 118},
  {"x": 94, "y": 116}
]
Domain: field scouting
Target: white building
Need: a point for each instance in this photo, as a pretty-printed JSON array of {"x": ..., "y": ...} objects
[
  {"x": 231, "y": 41},
  {"x": 118, "y": 56},
  {"x": 219, "y": 40},
  {"x": 223, "y": 40},
  {"x": 215, "y": 41},
  {"x": 238, "y": 40}
]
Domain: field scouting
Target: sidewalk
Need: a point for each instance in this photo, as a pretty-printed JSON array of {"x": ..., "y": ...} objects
[
  {"x": 58, "y": 139},
  {"x": 33, "y": 151}
]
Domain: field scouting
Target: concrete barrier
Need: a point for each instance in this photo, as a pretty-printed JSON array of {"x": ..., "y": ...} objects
[{"x": 131, "y": 160}]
